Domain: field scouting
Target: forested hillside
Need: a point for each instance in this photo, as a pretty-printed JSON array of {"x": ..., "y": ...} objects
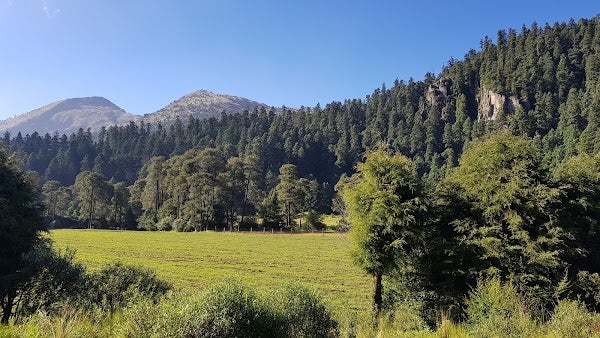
[{"x": 538, "y": 82}]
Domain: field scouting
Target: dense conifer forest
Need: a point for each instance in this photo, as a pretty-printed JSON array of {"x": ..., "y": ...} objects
[{"x": 539, "y": 82}]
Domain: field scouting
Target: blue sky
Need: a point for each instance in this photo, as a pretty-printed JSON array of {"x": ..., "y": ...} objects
[{"x": 142, "y": 55}]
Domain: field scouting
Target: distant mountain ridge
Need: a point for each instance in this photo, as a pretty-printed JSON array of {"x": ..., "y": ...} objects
[
  {"x": 201, "y": 104},
  {"x": 67, "y": 116}
]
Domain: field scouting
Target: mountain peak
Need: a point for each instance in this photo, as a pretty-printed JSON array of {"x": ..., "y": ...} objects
[
  {"x": 67, "y": 116},
  {"x": 202, "y": 104}
]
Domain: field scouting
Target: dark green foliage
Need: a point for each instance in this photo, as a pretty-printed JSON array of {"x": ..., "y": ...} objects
[
  {"x": 116, "y": 285},
  {"x": 20, "y": 228},
  {"x": 47, "y": 279},
  {"x": 269, "y": 211},
  {"x": 385, "y": 208},
  {"x": 314, "y": 220}
]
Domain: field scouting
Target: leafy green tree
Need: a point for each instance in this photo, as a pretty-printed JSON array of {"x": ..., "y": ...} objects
[
  {"x": 505, "y": 212},
  {"x": 152, "y": 195},
  {"x": 269, "y": 211},
  {"x": 20, "y": 229},
  {"x": 120, "y": 202},
  {"x": 50, "y": 192},
  {"x": 385, "y": 208},
  {"x": 579, "y": 179},
  {"x": 289, "y": 193},
  {"x": 93, "y": 194}
]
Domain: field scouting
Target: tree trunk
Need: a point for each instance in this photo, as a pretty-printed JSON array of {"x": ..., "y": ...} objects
[
  {"x": 91, "y": 206},
  {"x": 7, "y": 309},
  {"x": 246, "y": 186},
  {"x": 157, "y": 197},
  {"x": 377, "y": 294},
  {"x": 288, "y": 218}
]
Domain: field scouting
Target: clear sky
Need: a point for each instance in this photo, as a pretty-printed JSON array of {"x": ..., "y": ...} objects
[{"x": 142, "y": 55}]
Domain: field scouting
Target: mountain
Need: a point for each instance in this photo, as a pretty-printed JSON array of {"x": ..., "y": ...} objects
[
  {"x": 67, "y": 116},
  {"x": 202, "y": 104}
]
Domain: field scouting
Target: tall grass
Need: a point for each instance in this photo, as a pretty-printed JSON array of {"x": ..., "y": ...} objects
[{"x": 231, "y": 309}]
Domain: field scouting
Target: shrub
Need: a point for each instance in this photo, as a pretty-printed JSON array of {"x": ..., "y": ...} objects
[
  {"x": 116, "y": 285},
  {"x": 404, "y": 317},
  {"x": 572, "y": 319},
  {"x": 304, "y": 312},
  {"x": 497, "y": 310},
  {"x": 47, "y": 278},
  {"x": 225, "y": 310},
  {"x": 179, "y": 224},
  {"x": 314, "y": 220},
  {"x": 165, "y": 224},
  {"x": 230, "y": 309},
  {"x": 147, "y": 221}
]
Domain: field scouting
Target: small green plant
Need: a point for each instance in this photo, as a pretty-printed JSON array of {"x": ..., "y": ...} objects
[
  {"x": 572, "y": 319},
  {"x": 495, "y": 309},
  {"x": 117, "y": 284},
  {"x": 226, "y": 310},
  {"x": 304, "y": 312}
]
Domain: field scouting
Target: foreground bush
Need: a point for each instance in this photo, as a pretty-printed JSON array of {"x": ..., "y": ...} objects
[
  {"x": 304, "y": 312},
  {"x": 497, "y": 310},
  {"x": 47, "y": 278},
  {"x": 572, "y": 319},
  {"x": 232, "y": 310},
  {"x": 116, "y": 285}
]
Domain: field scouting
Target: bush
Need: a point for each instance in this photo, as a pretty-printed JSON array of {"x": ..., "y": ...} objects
[
  {"x": 572, "y": 319},
  {"x": 117, "y": 285},
  {"x": 314, "y": 220},
  {"x": 497, "y": 310},
  {"x": 232, "y": 310},
  {"x": 404, "y": 317},
  {"x": 304, "y": 312},
  {"x": 165, "y": 224},
  {"x": 147, "y": 221},
  {"x": 47, "y": 278},
  {"x": 179, "y": 224},
  {"x": 225, "y": 310}
]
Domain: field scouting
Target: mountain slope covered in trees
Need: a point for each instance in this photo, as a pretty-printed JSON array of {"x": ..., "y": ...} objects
[{"x": 537, "y": 82}]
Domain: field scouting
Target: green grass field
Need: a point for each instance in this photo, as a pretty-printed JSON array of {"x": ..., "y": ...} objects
[{"x": 264, "y": 261}]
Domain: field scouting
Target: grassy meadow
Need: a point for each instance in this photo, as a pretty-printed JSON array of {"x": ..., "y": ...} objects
[{"x": 261, "y": 260}]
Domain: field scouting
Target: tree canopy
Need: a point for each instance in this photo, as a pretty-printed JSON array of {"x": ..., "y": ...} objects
[
  {"x": 385, "y": 208},
  {"x": 20, "y": 228}
]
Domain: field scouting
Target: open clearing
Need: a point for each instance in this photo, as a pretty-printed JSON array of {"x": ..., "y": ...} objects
[{"x": 261, "y": 260}]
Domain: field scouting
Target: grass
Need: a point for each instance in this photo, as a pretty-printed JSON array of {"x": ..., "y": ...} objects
[{"x": 262, "y": 260}]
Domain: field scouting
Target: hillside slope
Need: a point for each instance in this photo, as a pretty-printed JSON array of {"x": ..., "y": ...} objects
[
  {"x": 67, "y": 116},
  {"x": 201, "y": 104}
]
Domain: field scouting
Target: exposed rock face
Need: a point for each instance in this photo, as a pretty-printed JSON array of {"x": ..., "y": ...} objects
[
  {"x": 491, "y": 104},
  {"x": 201, "y": 104},
  {"x": 67, "y": 116},
  {"x": 438, "y": 92}
]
